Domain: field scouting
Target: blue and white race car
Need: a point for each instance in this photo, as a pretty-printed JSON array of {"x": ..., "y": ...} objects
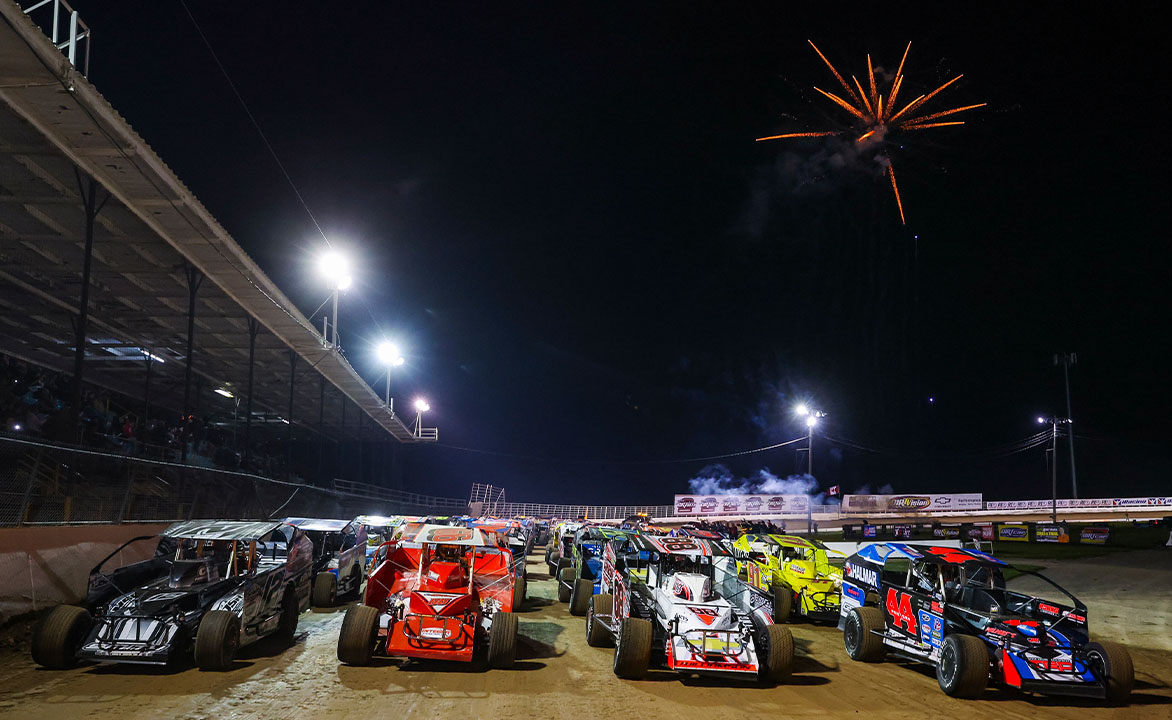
[
  {"x": 950, "y": 608},
  {"x": 339, "y": 557}
]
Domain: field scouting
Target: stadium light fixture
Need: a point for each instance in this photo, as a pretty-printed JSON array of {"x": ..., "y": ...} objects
[
  {"x": 811, "y": 421},
  {"x": 421, "y": 405},
  {"x": 388, "y": 355},
  {"x": 336, "y": 269},
  {"x": 225, "y": 393},
  {"x": 802, "y": 410}
]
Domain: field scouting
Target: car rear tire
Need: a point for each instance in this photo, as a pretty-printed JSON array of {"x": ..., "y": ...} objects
[
  {"x": 520, "y": 587},
  {"x": 59, "y": 636},
  {"x": 632, "y": 653},
  {"x": 358, "y": 636},
  {"x": 775, "y": 654},
  {"x": 290, "y": 612},
  {"x": 783, "y": 602},
  {"x": 597, "y": 635},
  {"x": 858, "y": 634},
  {"x": 565, "y": 584},
  {"x": 355, "y": 583},
  {"x": 217, "y": 640},
  {"x": 325, "y": 590},
  {"x": 1112, "y": 662},
  {"x": 963, "y": 668},
  {"x": 580, "y": 596},
  {"x": 502, "y": 640}
]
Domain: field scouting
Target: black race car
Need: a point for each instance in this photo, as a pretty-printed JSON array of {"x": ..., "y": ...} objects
[
  {"x": 950, "y": 608},
  {"x": 210, "y": 588},
  {"x": 339, "y": 557}
]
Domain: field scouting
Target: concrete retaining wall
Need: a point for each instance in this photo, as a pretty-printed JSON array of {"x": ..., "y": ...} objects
[{"x": 43, "y": 566}]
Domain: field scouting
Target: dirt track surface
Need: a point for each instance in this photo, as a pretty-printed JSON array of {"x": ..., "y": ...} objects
[{"x": 557, "y": 676}]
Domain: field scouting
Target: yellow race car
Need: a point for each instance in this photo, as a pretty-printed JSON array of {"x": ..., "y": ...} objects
[{"x": 799, "y": 573}]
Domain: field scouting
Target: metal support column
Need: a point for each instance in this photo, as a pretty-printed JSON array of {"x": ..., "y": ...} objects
[
  {"x": 146, "y": 396},
  {"x": 361, "y": 417},
  {"x": 289, "y": 435},
  {"x": 89, "y": 192},
  {"x": 321, "y": 437},
  {"x": 253, "y": 329},
  {"x": 194, "y": 280},
  {"x": 340, "y": 460}
]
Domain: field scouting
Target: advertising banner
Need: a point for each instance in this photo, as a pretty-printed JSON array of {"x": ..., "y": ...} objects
[
  {"x": 1068, "y": 503},
  {"x": 1094, "y": 535},
  {"x": 870, "y": 531},
  {"x": 911, "y": 503},
  {"x": 1013, "y": 533},
  {"x": 903, "y": 532},
  {"x": 741, "y": 504},
  {"x": 946, "y": 532},
  {"x": 1051, "y": 534}
]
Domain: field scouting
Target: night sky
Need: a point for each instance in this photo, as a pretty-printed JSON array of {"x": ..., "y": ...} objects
[{"x": 560, "y": 213}]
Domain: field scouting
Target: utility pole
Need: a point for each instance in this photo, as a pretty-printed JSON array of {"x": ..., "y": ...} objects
[
  {"x": 1068, "y": 359},
  {"x": 1054, "y": 422}
]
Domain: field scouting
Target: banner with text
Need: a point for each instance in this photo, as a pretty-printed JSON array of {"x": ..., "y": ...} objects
[
  {"x": 741, "y": 504},
  {"x": 1068, "y": 503},
  {"x": 911, "y": 503}
]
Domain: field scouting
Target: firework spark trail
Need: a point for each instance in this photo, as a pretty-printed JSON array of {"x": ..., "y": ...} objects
[
  {"x": 874, "y": 114},
  {"x": 895, "y": 189},
  {"x": 795, "y": 135}
]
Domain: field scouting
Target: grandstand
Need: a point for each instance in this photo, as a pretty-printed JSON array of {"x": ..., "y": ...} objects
[{"x": 117, "y": 282}]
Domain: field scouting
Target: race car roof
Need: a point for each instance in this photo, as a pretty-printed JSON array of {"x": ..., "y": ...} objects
[
  {"x": 881, "y": 552},
  {"x": 449, "y": 535},
  {"x": 222, "y": 529},
  {"x": 679, "y": 546},
  {"x": 318, "y": 524},
  {"x": 380, "y": 520}
]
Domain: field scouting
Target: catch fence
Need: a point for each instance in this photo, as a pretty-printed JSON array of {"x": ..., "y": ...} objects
[{"x": 44, "y": 484}]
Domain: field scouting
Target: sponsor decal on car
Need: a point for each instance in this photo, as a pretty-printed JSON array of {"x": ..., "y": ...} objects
[
  {"x": 434, "y": 633},
  {"x": 999, "y": 632},
  {"x": 1074, "y": 616},
  {"x": 707, "y": 615},
  {"x": 1048, "y": 608},
  {"x": 864, "y": 574},
  {"x": 853, "y": 592}
]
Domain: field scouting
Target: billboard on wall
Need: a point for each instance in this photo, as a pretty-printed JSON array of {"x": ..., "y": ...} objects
[
  {"x": 1013, "y": 533},
  {"x": 1094, "y": 535},
  {"x": 741, "y": 504},
  {"x": 1050, "y": 534},
  {"x": 926, "y": 502}
]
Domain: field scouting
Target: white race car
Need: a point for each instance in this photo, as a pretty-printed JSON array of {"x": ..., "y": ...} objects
[{"x": 680, "y": 599}]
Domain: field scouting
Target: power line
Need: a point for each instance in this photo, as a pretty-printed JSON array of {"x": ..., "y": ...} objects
[
  {"x": 620, "y": 462},
  {"x": 990, "y": 453},
  {"x": 255, "y": 124}
]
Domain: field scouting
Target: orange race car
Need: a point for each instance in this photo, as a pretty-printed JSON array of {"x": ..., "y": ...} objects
[{"x": 437, "y": 592}]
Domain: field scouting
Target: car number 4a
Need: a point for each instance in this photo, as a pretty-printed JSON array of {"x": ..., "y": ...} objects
[{"x": 899, "y": 607}]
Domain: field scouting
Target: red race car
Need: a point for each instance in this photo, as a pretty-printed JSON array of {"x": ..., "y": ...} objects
[{"x": 438, "y": 593}]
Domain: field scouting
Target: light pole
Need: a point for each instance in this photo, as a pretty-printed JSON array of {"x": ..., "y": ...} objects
[
  {"x": 336, "y": 268},
  {"x": 812, "y": 417},
  {"x": 421, "y": 407},
  {"x": 1068, "y": 359},
  {"x": 388, "y": 355},
  {"x": 1054, "y": 423}
]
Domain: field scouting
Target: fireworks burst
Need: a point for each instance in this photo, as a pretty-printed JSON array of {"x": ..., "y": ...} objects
[{"x": 875, "y": 114}]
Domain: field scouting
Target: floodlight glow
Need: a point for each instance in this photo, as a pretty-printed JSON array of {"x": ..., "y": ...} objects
[
  {"x": 802, "y": 410},
  {"x": 421, "y": 405},
  {"x": 388, "y": 354},
  {"x": 222, "y": 391},
  {"x": 336, "y": 268},
  {"x": 811, "y": 421},
  {"x": 1041, "y": 420},
  {"x": 16, "y": 427}
]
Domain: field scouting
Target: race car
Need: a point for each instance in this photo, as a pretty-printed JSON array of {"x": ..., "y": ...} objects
[
  {"x": 379, "y": 529},
  {"x": 950, "y": 608},
  {"x": 511, "y": 535},
  {"x": 796, "y": 571},
  {"x": 679, "y": 601},
  {"x": 583, "y": 578},
  {"x": 210, "y": 588},
  {"x": 693, "y": 531},
  {"x": 339, "y": 556},
  {"x": 438, "y": 593},
  {"x": 559, "y": 552}
]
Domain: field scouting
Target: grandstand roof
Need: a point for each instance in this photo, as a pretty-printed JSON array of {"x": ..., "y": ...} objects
[{"x": 52, "y": 121}]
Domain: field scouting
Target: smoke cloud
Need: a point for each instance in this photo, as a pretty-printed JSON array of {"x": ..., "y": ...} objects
[{"x": 719, "y": 480}]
